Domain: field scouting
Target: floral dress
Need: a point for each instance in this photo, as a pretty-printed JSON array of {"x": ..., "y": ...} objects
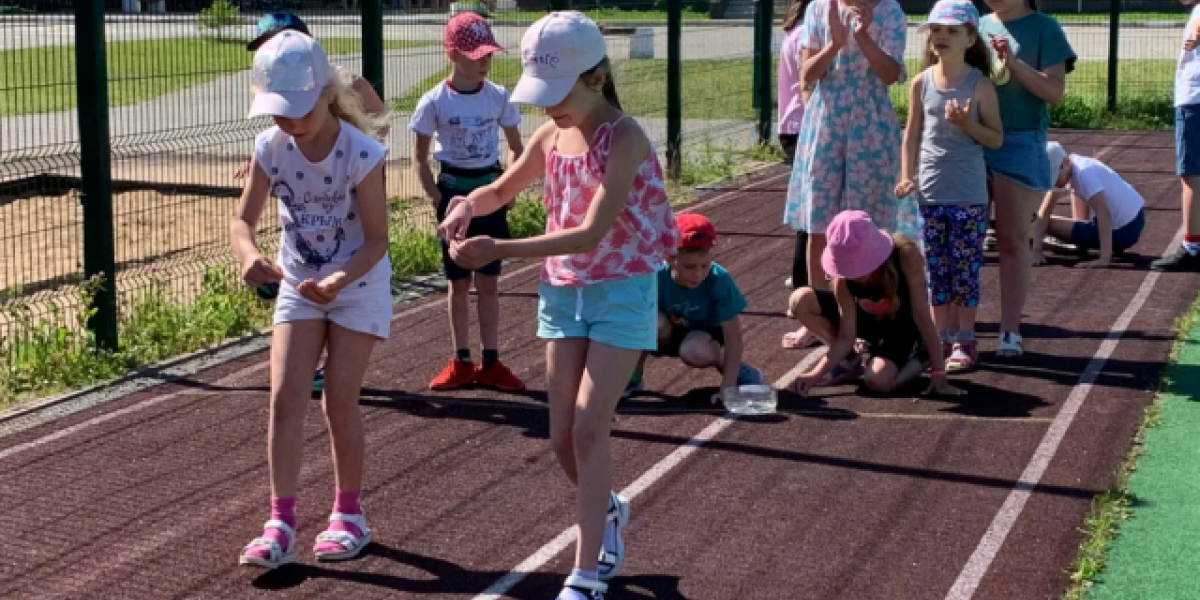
[{"x": 848, "y": 152}]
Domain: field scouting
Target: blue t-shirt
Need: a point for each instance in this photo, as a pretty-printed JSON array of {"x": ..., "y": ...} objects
[{"x": 717, "y": 299}]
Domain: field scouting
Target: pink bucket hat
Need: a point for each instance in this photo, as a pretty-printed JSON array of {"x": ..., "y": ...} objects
[{"x": 854, "y": 246}]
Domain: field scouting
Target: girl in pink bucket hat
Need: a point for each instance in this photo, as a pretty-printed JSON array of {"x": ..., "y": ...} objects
[{"x": 877, "y": 295}]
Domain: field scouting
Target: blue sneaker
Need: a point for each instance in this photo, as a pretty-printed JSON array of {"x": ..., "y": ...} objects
[
  {"x": 634, "y": 386},
  {"x": 319, "y": 381},
  {"x": 748, "y": 375}
]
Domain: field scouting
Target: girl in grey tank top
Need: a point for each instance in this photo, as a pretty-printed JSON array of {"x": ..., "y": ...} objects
[
  {"x": 951, "y": 168},
  {"x": 953, "y": 114}
]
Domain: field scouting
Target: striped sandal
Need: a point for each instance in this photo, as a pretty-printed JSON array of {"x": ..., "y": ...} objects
[
  {"x": 349, "y": 544},
  {"x": 276, "y": 556}
]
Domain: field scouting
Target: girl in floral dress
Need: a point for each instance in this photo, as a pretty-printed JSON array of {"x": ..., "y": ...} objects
[{"x": 848, "y": 153}]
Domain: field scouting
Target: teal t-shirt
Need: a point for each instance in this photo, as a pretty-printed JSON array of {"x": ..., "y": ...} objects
[
  {"x": 717, "y": 299},
  {"x": 1039, "y": 41}
]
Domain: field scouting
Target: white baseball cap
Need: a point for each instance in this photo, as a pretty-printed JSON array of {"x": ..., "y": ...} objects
[
  {"x": 555, "y": 51},
  {"x": 290, "y": 72},
  {"x": 1055, "y": 155}
]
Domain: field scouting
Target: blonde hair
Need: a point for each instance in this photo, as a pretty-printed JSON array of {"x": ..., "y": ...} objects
[
  {"x": 891, "y": 274},
  {"x": 347, "y": 105}
]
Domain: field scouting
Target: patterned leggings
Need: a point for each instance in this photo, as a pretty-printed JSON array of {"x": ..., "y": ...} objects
[{"x": 954, "y": 252}]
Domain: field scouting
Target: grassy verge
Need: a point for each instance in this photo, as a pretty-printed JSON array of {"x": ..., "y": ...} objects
[
  {"x": 51, "y": 351},
  {"x": 42, "y": 79},
  {"x": 720, "y": 89},
  {"x": 1115, "y": 505}
]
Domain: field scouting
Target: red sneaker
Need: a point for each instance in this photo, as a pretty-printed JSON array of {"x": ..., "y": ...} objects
[
  {"x": 498, "y": 377},
  {"x": 455, "y": 375}
]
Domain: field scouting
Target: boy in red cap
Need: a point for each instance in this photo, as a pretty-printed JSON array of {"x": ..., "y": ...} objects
[
  {"x": 466, "y": 113},
  {"x": 698, "y": 308}
]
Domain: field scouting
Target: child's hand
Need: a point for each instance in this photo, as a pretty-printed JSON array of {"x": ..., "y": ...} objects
[
  {"x": 458, "y": 218},
  {"x": 258, "y": 270},
  {"x": 805, "y": 383},
  {"x": 474, "y": 253},
  {"x": 861, "y": 16},
  {"x": 941, "y": 386},
  {"x": 905, "y": 187},
  {"x": 242, "y": 171},
  {"x": 1003, "y": 48},
  {"x": 839, "y": 29},
  {"x": 324, "y": 291},
  {"x": 958, "y": 114}
]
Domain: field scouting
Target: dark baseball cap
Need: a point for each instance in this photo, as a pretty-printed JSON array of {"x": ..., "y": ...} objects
[{"x": 273, "y": 23}]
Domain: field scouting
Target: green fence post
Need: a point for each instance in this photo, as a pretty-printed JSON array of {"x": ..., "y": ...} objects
[
  {"x": 764, "y": 16},
  {"x": 372, "y": 44},
  {"x": 1114, "y": 24},
  {"x": 95, "y": 167},
  {"x": 674, "y": 89}
]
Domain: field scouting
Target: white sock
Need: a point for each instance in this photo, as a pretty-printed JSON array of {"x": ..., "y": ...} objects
[{"x": 592, "y": 575}]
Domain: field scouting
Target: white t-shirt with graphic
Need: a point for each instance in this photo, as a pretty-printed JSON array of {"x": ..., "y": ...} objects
[
  {"x": 467, "y": 125},
  {"x": 1090, "y": 177},
  {"x": 318, "y": 210},
  {"x": 1187, "y": 72}
]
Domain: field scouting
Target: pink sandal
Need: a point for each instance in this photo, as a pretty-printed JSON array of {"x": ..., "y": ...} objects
[{"x": 963, "y": 357}]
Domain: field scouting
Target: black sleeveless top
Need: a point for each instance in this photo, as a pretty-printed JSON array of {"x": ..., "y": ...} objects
[{"x": 876, "y": 309}]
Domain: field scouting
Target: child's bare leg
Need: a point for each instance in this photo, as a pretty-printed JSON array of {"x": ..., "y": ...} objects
[
  {"x": 459, "y": 300},
  {"x": 565, "y": 360},
  {"x": 884, "y": 377},
  {"x": 487, "y": 291},
  {"x": 700, "y": 351},
  {"x": 807, "y": 309},
  {"x": 607, "y": 370}
]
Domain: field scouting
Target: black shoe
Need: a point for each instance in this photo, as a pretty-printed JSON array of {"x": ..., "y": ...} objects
[{"x": 1181, "y": 260}]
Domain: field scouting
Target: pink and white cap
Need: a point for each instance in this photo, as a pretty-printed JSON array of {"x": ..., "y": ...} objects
[
  {"x": 290, "y": 72},
  {"x": 555, "y": 51}
]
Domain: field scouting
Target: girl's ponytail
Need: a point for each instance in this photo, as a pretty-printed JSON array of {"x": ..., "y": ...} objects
[
  {"x": 795, "y": 13},
  {"x": 347, "y": 105},
  {"x": 609, "y": 89}
]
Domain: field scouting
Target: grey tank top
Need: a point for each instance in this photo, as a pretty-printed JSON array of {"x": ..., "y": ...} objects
[{"x": 952, "y": 171}]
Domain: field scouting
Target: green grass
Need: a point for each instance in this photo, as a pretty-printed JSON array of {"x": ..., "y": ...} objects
[
  {"x": 48, "y": 354},
  {"x": 42, "y": 79},
  {"x": 720, "y": 89},
  {"x": 1142, "y": 532},
  {"x": 712, "y": 89}
]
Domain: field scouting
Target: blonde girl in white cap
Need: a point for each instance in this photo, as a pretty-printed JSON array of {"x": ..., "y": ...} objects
[
  {"x": 608, "y": 227},
  {"x": 325, "y": 169}
]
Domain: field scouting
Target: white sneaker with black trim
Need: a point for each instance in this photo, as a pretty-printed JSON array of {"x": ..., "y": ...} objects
[{"x": 612, "y": 553}]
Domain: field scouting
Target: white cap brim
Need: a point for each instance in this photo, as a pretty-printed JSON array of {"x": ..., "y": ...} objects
[
  {"x": 542, "y": 92},
  {"x": 293, "y": 105}
]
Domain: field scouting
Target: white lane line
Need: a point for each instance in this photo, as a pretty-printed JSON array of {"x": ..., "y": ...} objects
[
  {"x": 563, "y": 540},
  {"x": 251, "y": 369},
  {"x": 989, "y": 546}
]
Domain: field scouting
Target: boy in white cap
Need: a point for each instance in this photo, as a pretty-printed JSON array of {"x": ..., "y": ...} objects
[{"x": 1117, "y": 211}]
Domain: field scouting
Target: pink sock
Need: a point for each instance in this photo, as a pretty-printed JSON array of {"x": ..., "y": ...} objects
[
  {"x": 282, "y": 509},
  {"x": 345, "y": 503}
]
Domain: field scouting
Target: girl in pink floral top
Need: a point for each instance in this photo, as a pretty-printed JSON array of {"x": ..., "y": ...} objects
[{"x": 608, "y": 227}]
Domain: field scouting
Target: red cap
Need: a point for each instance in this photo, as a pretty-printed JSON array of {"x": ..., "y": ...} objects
[
  {"x": 470, "y": 35},
  {"x": 695, "y": 231}
]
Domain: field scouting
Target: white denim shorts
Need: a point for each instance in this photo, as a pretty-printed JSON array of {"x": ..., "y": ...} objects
[{"x": 364, "y": 306}]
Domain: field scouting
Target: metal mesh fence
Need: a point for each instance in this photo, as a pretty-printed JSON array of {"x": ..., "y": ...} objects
[{"x": 178, "y": 88}]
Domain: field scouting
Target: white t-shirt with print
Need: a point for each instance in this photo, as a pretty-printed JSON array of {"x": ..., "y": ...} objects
[
  {"x": 318, "y": 210},
  {"x": 1090, "y": 177},
  {"x": 467, "y": 125},
  {"x": 1187, "y": 73}
]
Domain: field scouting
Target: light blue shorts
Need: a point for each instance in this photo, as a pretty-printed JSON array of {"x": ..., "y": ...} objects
[
  {"x": 621, "y": 313},
  {"x": 1022, "y": 159}
]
